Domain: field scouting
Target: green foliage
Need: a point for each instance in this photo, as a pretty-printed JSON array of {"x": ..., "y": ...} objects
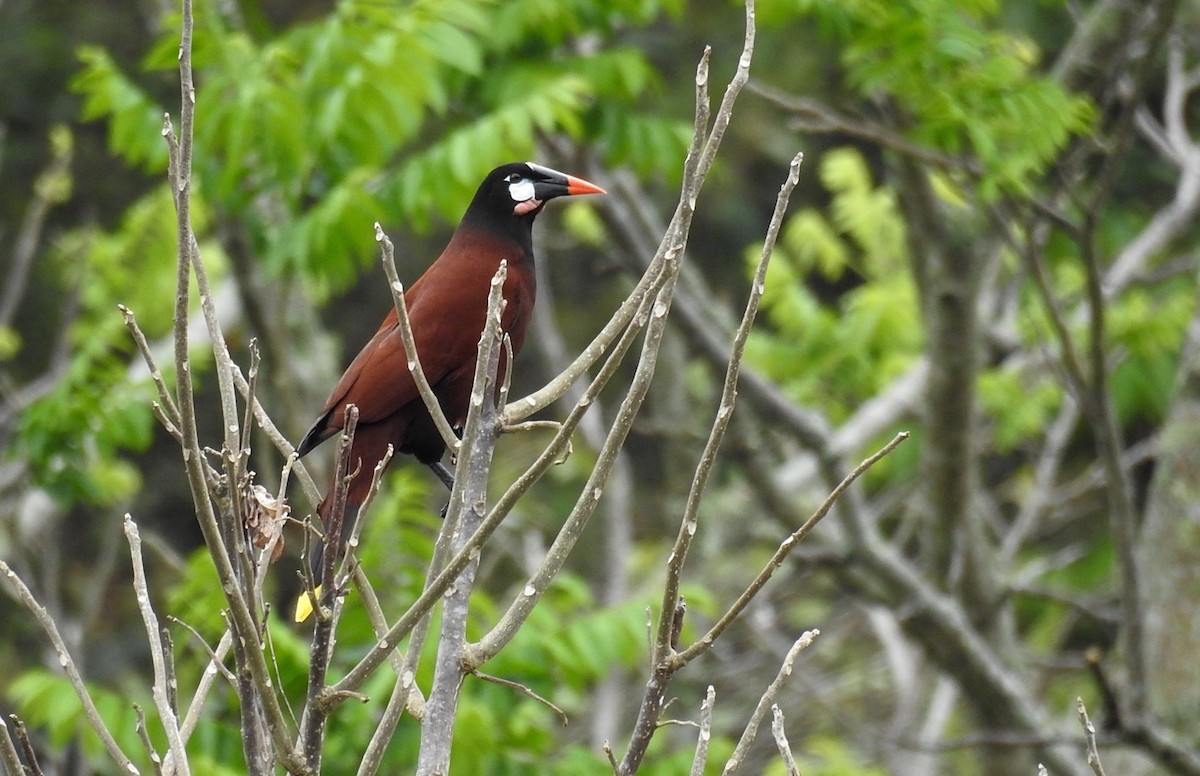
[
  {"x": 72, "y": 436},
  {"x": 1020, "y": 405},
  {"x": 965, "y": 86},
  {"x": 135, "y": 121},
  {"x": 10, "y": 343},
  {"x": 49, "y": 703},
  {"x": 837, "y": 354},
  {"x": 388, "y": 112},
  {"x": 1148, "y": 325}
]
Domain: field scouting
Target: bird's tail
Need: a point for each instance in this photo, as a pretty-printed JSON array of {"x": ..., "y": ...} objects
[{"x": 316, "y": 556}]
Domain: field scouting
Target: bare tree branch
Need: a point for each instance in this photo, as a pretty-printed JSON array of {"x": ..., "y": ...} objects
[
  {"x": 91, "y": 713},
  {"x": 700, "y": 759},
  {"x": 410, "y": 346},
  {"x": 766, "y": 701},
  {"x": 166, "y": 712},
  {"x": 262, "y": 715},
  {"x": 1089, "y": 735},
  {"x": 687, "y": 528},
  {"x": 781, "y": 742},
  {"x": 468, "y": 506},
  {"x": 8, "y": 752}
]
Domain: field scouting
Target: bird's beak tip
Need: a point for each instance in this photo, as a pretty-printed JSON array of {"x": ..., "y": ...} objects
[{"x": 580, "y": 186}]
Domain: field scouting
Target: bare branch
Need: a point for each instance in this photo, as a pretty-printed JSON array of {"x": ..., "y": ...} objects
[
  {"x": 524, "y": 690},
  {"x": 765, "y": 702},
  {"x": 573, "y": 526},
  {"x": 144, "y": 736},
  {"x": 700, "y": 759},
  {"x": 1089, "y": 735},
  {"x": 687, "y": 527},
  {"x": 696, "y": 166},
  {"x": 35, "y": 768},
  {"x": 277, "y": 438},
  {"x": 468, "y": 504},
  {"x": 704, "y": 643},
  {"x": 167, "y": 406},
  {"x": 316, "y": 714},
  {"x": 781, "y": 742},
  {"x": 248, "y": 643},
  {"x": 410, "y": 345},
  {"x": 90, "y": 712},
  {"x": 8, "y": 752},
  {"x": 161, "y": 692}
]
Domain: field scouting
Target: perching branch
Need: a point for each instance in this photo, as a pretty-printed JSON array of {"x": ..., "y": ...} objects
[{"x": 468, "y": 505}]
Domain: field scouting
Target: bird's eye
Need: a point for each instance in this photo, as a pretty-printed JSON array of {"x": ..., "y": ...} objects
[{"x": 513, "y": 177}]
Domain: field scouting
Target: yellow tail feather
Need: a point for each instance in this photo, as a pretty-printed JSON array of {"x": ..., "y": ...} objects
[{"x": 305, "y": 603}]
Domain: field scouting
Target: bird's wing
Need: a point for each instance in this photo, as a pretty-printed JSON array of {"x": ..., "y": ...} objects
[{"x": 378, "y": 381}]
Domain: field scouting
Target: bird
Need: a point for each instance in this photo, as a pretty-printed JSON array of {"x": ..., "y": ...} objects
[{"x": 447, "y": 306}]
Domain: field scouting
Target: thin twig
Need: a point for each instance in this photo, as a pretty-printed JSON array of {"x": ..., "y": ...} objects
[
  {"x": 402, "y": 690},
  {"x": 9, "y": 755},
  {"x": 268, "y": 427},
  {"x": 524, "y": 690},
  {"x": 216, "y": 656},
  {"x": 766, "y": 701},
  {"x": 160, "y": 690},
  {"x": 700, "y": 759},
  {"x": 781, "y": 742},
  {"x": 404, "y": 326},
  {"x": 90, "y": 712},
  {"x": 724, "y": 414},
  {"x": 612, "y": 758},
  {"x": 8, "y": 752},
  {"x": 27, "y": 748},
  {"x": 704, "y": 643},
  {"x": 167, "y": 406},
  {"x": 1089, "y": 736},
  {"x": 144, "y": 736},
  {"x": 316, "y": 715}
]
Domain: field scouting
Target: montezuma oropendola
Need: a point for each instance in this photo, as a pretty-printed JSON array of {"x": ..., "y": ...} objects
[{"x": 447, "y": 306}]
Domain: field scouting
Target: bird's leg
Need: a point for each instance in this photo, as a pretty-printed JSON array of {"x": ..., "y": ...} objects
[
  {"x": 447, "y": 478},
  {"x": 443, "y": 474}
]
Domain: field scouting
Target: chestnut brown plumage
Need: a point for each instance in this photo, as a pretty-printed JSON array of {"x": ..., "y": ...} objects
[{"x": 446, "y": 306}]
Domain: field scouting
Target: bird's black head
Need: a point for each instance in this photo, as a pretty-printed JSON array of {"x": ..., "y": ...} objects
[{"x": 516, "y": 192}]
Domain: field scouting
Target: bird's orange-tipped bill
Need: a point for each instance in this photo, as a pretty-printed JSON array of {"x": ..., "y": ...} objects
[
  {"x": 304, "y": 604},
  {"x": 580, "y": 186}
]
